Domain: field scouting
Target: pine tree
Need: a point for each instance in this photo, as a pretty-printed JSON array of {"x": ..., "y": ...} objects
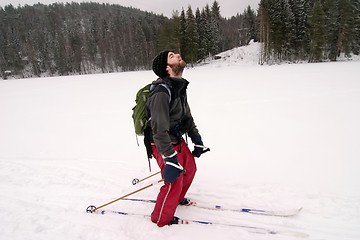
[
  {"x": 215, "y": 28},
  {"x": 317, "y": 34},
  {"x": 249, "y": 25},
  {"x": 301, "y": 10},
  {"x": 208, "y": 33},
  {"x": 264, "y": 31},
  {"x": 192, "y": 37},
  {"x": 332, "y": 29},
  {"x": 356, "y": 47},
  {"x": 347, "y": 25},
  {"x": 183, "y": 43},
  {"x": 169, "y": 37},
  {"x": 201, "y": 26}
]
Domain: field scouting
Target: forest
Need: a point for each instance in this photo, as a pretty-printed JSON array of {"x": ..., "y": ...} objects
[
  {"x": 83, "y": 38},
  {"x": 308, "y": 30}
]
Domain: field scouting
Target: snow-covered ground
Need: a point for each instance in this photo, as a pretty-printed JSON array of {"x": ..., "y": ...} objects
[{"x": 281, "y": 137}]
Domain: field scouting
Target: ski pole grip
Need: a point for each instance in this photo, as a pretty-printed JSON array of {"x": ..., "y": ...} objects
[{"x": 205, "y": 149}]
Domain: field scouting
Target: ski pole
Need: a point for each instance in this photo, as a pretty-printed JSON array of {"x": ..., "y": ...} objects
[
  {"x": 136, "y": 180},
  {"x": 92, "y": 208}
]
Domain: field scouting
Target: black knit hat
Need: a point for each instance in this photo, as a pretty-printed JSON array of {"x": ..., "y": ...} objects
[{"x": 160, "y": 64}]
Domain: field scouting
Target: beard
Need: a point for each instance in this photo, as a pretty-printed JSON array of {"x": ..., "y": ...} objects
[{"x": 178, "y": 68}]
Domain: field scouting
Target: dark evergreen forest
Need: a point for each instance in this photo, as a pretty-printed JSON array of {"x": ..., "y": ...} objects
[
  {"x": 76, "y": 39},
  {"x": 310, "y": 30},
  {"x": 82, "y": 38}
]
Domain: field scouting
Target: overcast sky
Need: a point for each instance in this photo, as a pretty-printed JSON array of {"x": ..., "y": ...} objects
[{"x": 228, "y": 8}]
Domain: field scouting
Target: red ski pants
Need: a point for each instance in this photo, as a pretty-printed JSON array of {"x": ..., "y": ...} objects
[{"x": 172, "y": 193}]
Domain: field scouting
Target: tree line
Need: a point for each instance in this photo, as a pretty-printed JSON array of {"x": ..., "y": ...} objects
[
  {"x": 76, "y": 38},
  {"x": 81, "y": 38},
  {"x": 312, "y": 30}
]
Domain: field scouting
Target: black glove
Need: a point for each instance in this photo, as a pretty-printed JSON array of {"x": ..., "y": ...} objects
[
  {"x": 172, "y": 168},
  {"x": 199, "y": 148}
]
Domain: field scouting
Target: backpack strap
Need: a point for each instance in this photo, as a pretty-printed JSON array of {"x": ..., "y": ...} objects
[
  {"x": 147, "y": 132},
  {"x": 153, "y": 86}
]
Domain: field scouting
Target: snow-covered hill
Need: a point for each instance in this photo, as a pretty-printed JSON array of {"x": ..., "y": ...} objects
[
  {"x": 282, "y": 136},
  {"x": 249, "y": 55},
  {"x": 246, "y": 55}
]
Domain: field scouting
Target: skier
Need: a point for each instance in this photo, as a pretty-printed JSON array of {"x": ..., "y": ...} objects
[{"x": 171, "y": 118}]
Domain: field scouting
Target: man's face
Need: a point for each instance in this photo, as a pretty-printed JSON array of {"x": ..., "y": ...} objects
[{"x": 176, "y": 63}]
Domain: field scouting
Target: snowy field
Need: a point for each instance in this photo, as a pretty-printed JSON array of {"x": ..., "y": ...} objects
[{"x": 281, "y": 137}]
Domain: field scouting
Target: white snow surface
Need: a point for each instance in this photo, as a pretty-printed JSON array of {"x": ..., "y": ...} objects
[{"x": 281, "y": 137}]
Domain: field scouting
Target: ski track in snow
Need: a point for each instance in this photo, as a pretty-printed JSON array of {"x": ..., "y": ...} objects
[{"x": 281, "y": 137}]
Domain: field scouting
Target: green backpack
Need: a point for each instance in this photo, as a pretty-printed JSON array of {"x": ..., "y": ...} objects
[{"x": 139, "y": 111}]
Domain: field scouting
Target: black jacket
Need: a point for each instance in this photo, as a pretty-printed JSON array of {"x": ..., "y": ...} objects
[{"x": 169, "y": 120}]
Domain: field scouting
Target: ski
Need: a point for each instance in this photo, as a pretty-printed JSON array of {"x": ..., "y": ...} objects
[
  {"x": 251, "y": 229},
  {"x": 283, "y": 213}
]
